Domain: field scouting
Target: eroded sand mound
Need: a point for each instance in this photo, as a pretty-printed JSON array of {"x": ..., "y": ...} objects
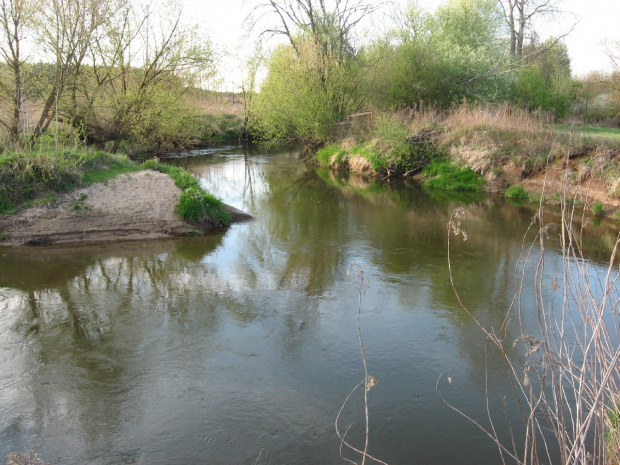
[{"x": 130, "y": 206}]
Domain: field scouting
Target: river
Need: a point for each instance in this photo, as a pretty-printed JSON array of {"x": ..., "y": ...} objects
[{"x": 241, "y": 346}]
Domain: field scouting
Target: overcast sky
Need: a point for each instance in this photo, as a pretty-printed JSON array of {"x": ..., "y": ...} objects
[{"x": 595, "y": 20}]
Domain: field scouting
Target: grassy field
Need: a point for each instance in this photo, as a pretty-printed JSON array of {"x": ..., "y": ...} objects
[{"x": 595, "y": 131}]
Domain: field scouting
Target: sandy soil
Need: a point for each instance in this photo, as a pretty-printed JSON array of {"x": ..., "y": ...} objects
[
  {"x": 557, "y": 178},
  {"x": 128, "y": 207}
]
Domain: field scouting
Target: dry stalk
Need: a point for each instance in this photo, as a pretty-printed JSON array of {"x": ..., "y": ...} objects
[
  {"x": 565, "y": 374},
  {"x": 360, "y": 281}
]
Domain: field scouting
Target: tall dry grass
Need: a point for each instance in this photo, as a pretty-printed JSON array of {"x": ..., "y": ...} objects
[{"x": 503, "y": 118}]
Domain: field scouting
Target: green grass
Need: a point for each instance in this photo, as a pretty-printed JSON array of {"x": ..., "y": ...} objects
[
  {"x": 325, "y": 154},
  {"x": 195, "y": 205},
  {"x": 598, "y": 131},
  {"x": 516, "y": 192},
  {"x": 444, "y": 175},
  {"x": 598, "y": 209},
  {"x": 25, "y": 176}
]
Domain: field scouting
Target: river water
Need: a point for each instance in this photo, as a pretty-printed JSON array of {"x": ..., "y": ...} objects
[{"x": 241, "y": 346}]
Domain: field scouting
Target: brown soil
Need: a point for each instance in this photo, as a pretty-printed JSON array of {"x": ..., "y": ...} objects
[
  {"x": 128, "y": 207},
  {"x": 555, "y": 180}
]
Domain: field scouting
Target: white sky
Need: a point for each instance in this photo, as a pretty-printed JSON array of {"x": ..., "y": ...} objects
[{"x": 595, "y": 20}]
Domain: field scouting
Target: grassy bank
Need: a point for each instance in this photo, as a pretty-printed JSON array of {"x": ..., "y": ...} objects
[
  {"x": 196, "y": 205},
  {"x": 501, "y": 145},
  {"x": 25, "y": 176},
  {"x": 28, "y": 177}
]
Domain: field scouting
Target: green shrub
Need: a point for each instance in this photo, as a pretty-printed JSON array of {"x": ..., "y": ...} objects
[
  {"x": 516, "y": 192},
  {"x": 444, "y": 175}
]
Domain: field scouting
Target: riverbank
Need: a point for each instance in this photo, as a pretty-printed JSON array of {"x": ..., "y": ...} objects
[
  {"x": 79, "y": 196},
  {"x": 132, "y": 206},
  {"x": 504, "y": 146}
]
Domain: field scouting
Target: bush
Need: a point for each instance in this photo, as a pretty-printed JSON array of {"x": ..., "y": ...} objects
[{"x": 516, "y": 192}]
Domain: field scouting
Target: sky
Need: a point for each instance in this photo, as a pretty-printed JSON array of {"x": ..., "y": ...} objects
[{"x": 593, "y": 21}]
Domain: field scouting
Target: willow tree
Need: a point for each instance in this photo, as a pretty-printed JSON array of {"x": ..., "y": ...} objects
[
  {"x": 314, "y": 80},
  {"x": 304, "y": 94}
]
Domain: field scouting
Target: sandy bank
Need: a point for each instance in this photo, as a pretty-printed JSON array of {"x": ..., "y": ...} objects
[{"x": 128, "y": 207}]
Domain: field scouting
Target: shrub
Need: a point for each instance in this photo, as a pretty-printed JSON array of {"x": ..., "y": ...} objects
[{"x": 516, "y": 192}]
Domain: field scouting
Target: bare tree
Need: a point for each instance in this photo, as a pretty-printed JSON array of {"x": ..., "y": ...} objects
[
  {"x": 15, "y": 16},
  {"x": 520, "y": 14},
  {"x": 65, "y": 29},
  {"x": 330, "y": 23}
]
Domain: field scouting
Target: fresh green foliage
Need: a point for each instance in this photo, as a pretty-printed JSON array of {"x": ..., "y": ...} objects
[
  {"x": 26, "y": 175},
  {"x": 325, "y": 155},
  {"x": 445, "y": 175},
  {"x": 516, "y": 192},
  {"x": 598, "y": 209},
  {"x": 3, "y": 236},
  {"x": 195, "y": 205},
  {"x": 306, "y": 92},
  {"x": 439, "y": 59}
]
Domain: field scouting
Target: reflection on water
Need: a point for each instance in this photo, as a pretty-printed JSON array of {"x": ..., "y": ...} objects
[{"x": 243, "y": 344}]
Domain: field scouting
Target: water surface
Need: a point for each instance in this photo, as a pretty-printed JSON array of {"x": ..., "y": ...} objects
[{"x": 240, "y": 347}]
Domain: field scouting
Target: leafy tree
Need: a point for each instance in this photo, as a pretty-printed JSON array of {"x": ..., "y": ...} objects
[
  {"x": 441, "y": 58},
  {"x": 304, "y": 94},
  {"x": 314, "y": 81},
  {"x": 591, "y": 97},
  {"x": 545, "y": 82},
  {"x": 62, "y": 32},
  {"x": 137, "y": 79}
]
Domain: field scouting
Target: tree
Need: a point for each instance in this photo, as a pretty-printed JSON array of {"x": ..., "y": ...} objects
[
  {"x": 545, "y": 81},
  {"x": 441, "y": 58},
  {"x": 61, "y": 31},
  {"x": 519, "y": 16},
  {"x": 314, "y": 81},
  {"x": 330, "y": 24},
  {"x": 15, "y": 19},
  {"x": 304, "y": 94},
  {"x": 137, "y": 65}
]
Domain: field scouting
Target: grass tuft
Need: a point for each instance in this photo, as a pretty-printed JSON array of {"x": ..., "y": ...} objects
[
  {"x": 195, "y": 205},
  {"x": 516, "y": 192},
  {"x": 444, "y": 175}
]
